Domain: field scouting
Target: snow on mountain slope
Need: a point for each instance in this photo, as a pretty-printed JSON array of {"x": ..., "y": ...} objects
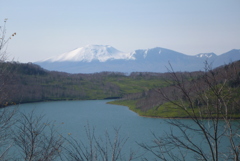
[
  {"x": 90, "y": 53},
  {"x": 97, "y": 58},
  {"x": 206, "y": 55},
  {"x": 103, "y": 53}
]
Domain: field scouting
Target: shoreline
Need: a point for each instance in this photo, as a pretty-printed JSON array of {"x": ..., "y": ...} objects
[
  {"x": 111, "y": 102},
  {"x": 7, "y": 104},
  {"x": 187, "y": 118}
]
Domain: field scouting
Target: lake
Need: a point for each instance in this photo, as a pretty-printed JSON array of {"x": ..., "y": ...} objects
[{"x": 71, "y": 117}]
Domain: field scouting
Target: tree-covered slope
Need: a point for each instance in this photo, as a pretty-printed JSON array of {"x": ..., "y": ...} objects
[{"x": 29, "y": 83}]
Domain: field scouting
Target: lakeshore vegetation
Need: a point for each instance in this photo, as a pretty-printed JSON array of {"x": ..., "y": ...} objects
[{"x": 140, "y": 91}]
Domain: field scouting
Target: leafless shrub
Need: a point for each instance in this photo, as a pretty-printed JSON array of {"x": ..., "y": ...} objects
[
  {"x": 106, "y": 148},
  {"x": 36, "y": 140}
]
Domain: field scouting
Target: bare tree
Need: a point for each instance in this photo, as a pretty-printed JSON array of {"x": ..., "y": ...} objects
[
  {"x": 6, "y": 115},
  {"x": 4, "y": 41},
  {"x": 5, "y": 76},
  {"x": 36, "y": 140},
  {"x": 211, "y": 102},
  {"x": 107, "y": 148}
]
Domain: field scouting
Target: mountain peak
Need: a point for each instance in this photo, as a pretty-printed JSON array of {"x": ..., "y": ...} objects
[{"x": 90, "y": 53}]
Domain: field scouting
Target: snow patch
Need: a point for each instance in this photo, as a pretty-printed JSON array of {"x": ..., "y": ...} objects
[
  {"x": 205, "y": 55},
  {"x": 145, "y": 53}
]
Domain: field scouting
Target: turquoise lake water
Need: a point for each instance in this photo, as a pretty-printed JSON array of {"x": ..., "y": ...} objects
[{"x": 71, "y": 117}]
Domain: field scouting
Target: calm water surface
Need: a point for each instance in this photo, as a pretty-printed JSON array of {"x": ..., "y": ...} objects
[{"x": 73, "y": 116}]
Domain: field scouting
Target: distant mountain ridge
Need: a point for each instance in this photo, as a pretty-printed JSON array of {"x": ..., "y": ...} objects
[{"x": 98, "y": 58}]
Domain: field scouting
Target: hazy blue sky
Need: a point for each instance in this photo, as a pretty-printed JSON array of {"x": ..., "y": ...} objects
[{"x": 51, "y": 27}]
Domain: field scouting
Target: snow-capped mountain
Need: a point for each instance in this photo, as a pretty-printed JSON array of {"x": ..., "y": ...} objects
[
  {"x": 90, "y": 53},
  {"x": 98, "y": 58}
]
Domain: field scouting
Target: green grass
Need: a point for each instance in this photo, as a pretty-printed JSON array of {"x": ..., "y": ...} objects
[
  {"x": 167, "y": 110},
  {"x": 130, "y": 85}
]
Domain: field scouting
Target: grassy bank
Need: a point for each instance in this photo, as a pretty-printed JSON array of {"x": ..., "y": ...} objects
[{"x": 167, "y": 110}]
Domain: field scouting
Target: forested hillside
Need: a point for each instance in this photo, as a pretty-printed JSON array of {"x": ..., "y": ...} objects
[{"x": 30, "y": 83}]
